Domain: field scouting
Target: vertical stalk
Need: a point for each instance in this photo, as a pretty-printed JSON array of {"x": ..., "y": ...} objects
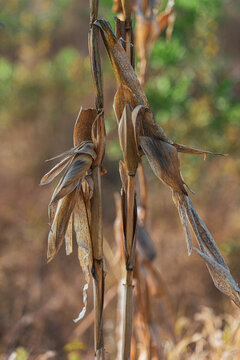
[
  {"x": 96, "y": 201},
  {"x": 126, "y": 29}
]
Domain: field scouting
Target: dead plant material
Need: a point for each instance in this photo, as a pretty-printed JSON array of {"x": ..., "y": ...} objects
[{"x": 149, "y": 26}]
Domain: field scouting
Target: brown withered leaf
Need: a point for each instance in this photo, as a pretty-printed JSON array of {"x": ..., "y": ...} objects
[
  {"x": 98, "y": 138},
  {"x": 68, "y": 237},
  {"x": 222, "y": 278},
  {"x": 75, "y": 173},
  {"x": 152, "y": 129},
  {"x": 83, "y": 125},
  {"x": 83, "y": 237},
  {"x": 60, "y": 223},
  {"x": 164, "y": 162},
  {"x": 209, "y": 251},
  {"x": 138, "y": 114},
  {"x": 123, "y": 96},
  {"x": 122, "y": 67},
  {"x": 192, "y": 150},
  {"x": 55, "y": 171},
  {"x": 127, "y": 141}
]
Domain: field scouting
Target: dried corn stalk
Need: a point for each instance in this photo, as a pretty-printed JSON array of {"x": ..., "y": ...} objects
[{"x": 149, "y": 26}]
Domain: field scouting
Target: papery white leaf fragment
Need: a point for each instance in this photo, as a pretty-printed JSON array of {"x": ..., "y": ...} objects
[{"x": 83, "y": 312}]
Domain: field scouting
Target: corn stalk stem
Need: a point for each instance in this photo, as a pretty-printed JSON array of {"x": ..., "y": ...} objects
[
  {"x": 96, "y": 201},
  {"x": 128, "y": 287},
  {"x": 97, "y": 271}
]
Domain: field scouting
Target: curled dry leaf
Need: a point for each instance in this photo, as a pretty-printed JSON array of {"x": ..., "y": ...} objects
[
  {"x": 127, "y": 141},
  {"x": 83, "y": 125},
  {"x": 98, "y": 138}
]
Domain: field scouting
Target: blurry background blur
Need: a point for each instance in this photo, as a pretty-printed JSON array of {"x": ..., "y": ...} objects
[{"x": 194, "y": 92}]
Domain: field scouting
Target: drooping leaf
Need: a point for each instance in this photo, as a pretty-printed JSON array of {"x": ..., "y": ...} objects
[
  {"x": 80, "y": 165},
  {"x": 164, "y": 162},
  {"x": 55, "y": 171},
  {"x": 222, "y": 278},
  {"x": 59, "y": 227},
  {"x": 192, "y": 150},
  {"x": 83, "y": 237}
]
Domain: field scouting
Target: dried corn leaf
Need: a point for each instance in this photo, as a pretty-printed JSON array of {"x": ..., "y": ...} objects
[
  {"x": 216, "y": 264},
  {"x": 127, "y": 141},
  {"x": 152, "y": 129},
  {"x": 83, "y": 125},
  {"x": 75, "y": 173},
  {"x": 184, "y": 221},
  {"x": 122, "y": 67},
  {"x": 222, "y": 278},
  {"x": 68, "y": 237},
  {"x": 164, "y": 162},
  {"x": 83, "y": 312},
  {"x": 82, "y": 230},
  {"x": 59, "y": 227},
  {"x": 123, "y": 96},
  {"x": 55, "y": 171},
  {"x": 98, "y": 138},
  {"x": 192, "y": 150},
  {"x": 88, "y": 149}
]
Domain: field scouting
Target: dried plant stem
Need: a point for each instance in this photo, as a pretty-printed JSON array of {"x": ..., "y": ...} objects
[
  {"x": 96, "y": 202},
  {"x": 98, "y": 271},
  {"x": 128, "y": 286}
]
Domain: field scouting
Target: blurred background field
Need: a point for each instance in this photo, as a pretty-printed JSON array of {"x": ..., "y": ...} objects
[{"x": 194, "y": 92}]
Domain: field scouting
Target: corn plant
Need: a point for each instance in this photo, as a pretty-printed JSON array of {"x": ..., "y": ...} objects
[{"x": 77, "y": 200}]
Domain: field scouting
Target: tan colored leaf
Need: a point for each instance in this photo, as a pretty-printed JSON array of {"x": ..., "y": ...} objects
[
  {"x": 163, "y": 159},
  {"x": 83, "y": 237},
  {"x": 152, "y": 129},
  {"x": 123, "y": 96},
  {"x": 222, "y": 278},
  {"x": 59, "y": 227},
  {"x": 192, "y": 150},
  {"x": 122, "y": 68},
  {"x": 75, "y": 173},
  {"x": 68, "y": 237},
  {"x": 127, "y": 141},
  {"x": 98, "y": 138},
  {"x": 88, "y": 149},
  {"x": 55, "y": 171},
  {"x": 83, "y": 125}
]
